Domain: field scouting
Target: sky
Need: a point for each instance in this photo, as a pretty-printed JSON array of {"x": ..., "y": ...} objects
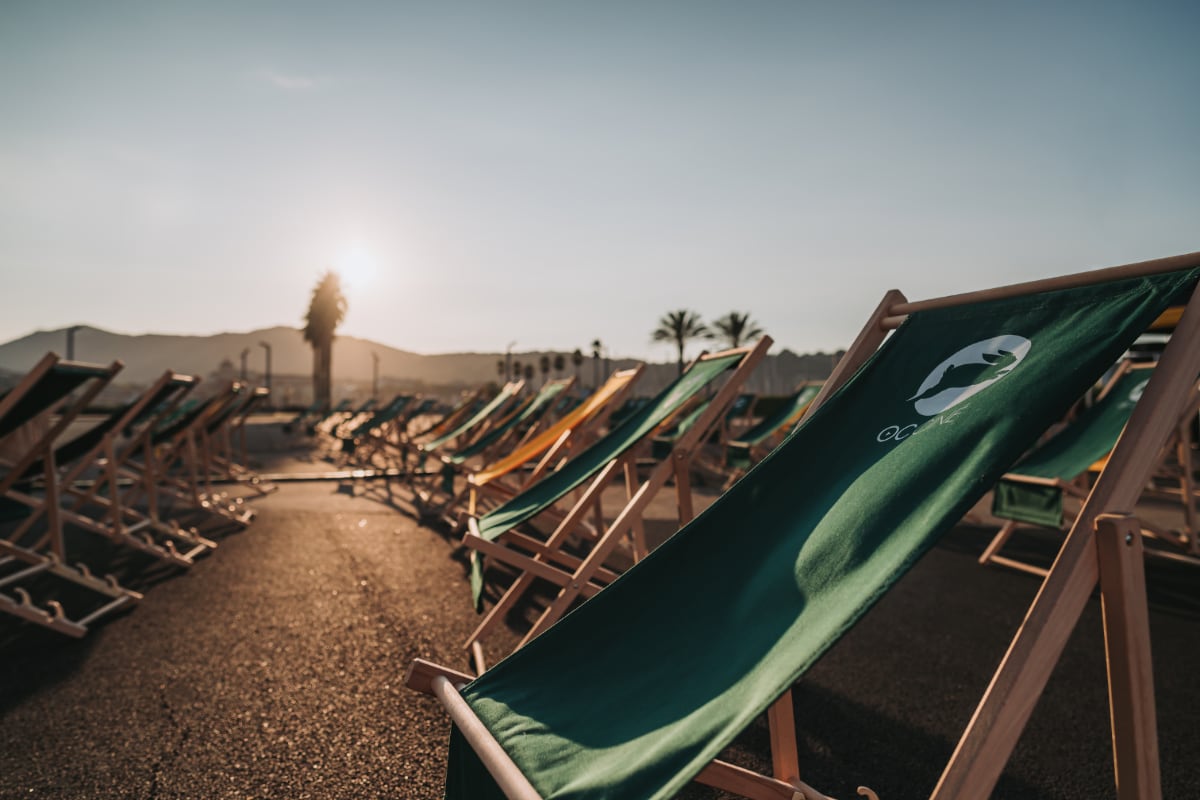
[{"x": 548, "y": 173}]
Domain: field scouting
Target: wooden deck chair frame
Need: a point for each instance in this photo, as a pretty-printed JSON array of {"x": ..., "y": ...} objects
[
  {"x": 48, "y": 556},
  {"x": 118, "y": 523},
  {"x": 1075, "y": 492},
  {"x": 1102, "y": 549},
  {"x": 581, "y": 577}
]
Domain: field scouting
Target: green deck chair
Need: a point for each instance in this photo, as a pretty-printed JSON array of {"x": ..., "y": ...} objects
[
  {"x": 1047, "y": 487},
  {"x": 742, "y": 452},
  {"x": 495, "y": 534},
  {"x": 637, "y": 691}
]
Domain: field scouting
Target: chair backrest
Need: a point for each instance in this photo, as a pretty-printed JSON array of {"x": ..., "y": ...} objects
[
  {"x": 1069, "y": 453},
  {"x": 702, "y": 635}
]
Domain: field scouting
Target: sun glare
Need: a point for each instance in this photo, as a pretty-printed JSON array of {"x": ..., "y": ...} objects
[{"x": 357, "y": 266}]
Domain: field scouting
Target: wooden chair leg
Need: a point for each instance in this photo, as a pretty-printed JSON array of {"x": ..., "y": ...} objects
[{"x": 1127, "y": 646}]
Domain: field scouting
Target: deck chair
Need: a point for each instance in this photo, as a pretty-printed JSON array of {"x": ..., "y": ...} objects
[
  {"x": 714, "y": 627},
  {"x": 502, "y": 479},
  {"x": 44, "y": 392},
  {"x": 317, "y": 424},
  {"x": 587, "y": 475},
  {"x": 751, "y": 445},
  {"x": 521, "y": 423},
  {"x": 95, "y": 506},
  {"x": 347, "y": 438},
  {"x": 215, "y": 445},
  {"x": 1050, "y": 484},
  {"x": 169, "y": 466},
  {"x": 476, "y": 424}
]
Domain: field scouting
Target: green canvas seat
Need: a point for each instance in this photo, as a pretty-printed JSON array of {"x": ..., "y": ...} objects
[
  {"x": 592, "y": 470},
  {"x": 714, "y": 626}
]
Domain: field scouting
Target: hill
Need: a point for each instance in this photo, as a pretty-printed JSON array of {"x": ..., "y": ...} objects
[{"x": 146, "y": 356}]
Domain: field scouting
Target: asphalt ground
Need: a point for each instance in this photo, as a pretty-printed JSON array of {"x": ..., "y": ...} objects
[{"x": 274, "y": 668}]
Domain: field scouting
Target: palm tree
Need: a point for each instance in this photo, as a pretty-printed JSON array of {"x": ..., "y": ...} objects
[
  {"x": 735, "y": 329},
  {"x": 679, "y": 327},
  {"x": 325, "y": 312},
  {"x": 597, "y": 346},
  {"x": 544, "y": 366},
  {"x": 560, "y": 363}
]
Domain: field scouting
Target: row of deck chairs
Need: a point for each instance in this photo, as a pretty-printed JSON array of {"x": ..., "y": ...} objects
[
  {"x": 636, "y": 692},
  {"x": 129, "y": 478}
]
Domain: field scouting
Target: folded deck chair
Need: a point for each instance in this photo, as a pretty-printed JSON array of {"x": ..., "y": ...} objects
[
  {"x": 521, "y": 423},
  {"x": 1047, "y": 487},
  {"x": 96, "y": 507},
  {"x": 45, "y": 391},
  {"x": 591, "y": 471},
  {"x": 637, "y": 691}
]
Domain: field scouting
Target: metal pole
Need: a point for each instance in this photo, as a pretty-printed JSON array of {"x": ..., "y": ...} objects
[
  {"x": 71, "y": 341},
  {"x": 267, "y": 373},
  {"x": 245, "y": 355}
]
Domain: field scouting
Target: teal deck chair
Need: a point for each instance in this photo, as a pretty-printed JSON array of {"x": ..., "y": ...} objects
[
  {"x": 46, "y": 391},
  {"x": 495, "y": 534},
  {"x": 714, "y": 627},
  {"x": 1050, "y": 483},
  {"x": 744, "y": 450}
]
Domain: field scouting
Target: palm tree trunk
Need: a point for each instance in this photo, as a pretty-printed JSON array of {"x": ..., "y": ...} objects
[
  {"x": 326, "y": 372},
  {"x": 316, "y": 377}
]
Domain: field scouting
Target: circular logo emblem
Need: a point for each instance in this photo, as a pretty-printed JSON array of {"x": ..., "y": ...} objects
[{"x": 968, "y": 372}]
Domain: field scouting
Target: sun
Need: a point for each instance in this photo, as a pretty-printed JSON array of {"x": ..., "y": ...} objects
[{"x": 357, "y": 265}]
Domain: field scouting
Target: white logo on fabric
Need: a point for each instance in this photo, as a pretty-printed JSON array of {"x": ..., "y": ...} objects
[
  {"x": 1136, "y": 394},
  {"x": 968, "y": 372}
]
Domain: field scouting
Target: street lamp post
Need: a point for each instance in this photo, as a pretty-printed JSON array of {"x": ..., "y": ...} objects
[
  {"x": 508, "y": 362},
  {"x": 267, "y": 373},
  {"x": 71, "y": 341}
]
